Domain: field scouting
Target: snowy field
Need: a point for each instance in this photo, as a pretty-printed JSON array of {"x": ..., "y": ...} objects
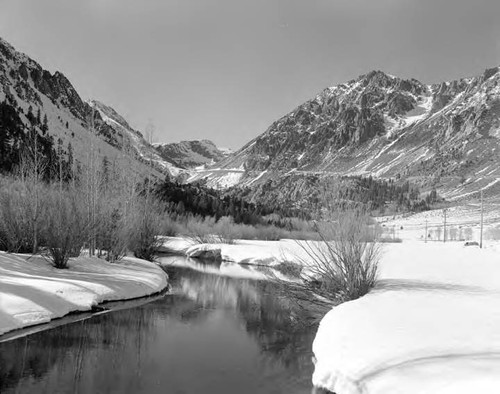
[
  {"x": 33, "y": 292},
  {"x": 458, "y": 219},
  {"x": 432, "y": 325}
]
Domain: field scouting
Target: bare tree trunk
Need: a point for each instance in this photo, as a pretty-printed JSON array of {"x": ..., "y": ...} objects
[
  {"x": 92, "y": 188},
  {"x": 32, "y": 168}
]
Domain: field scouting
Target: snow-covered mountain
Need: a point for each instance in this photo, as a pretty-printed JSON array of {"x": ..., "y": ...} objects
[
  {"x": 191, "y": 154},
  {"x": 443, "y": 135},
  {"x": 133, "y": 141},
  {"x": 27, "y": 87}
]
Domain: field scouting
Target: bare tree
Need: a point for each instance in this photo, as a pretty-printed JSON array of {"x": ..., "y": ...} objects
[
  {"x": 453, "y": 233},
  {"x": 439, "y": 231},
  {"x": 468, "y": 233},
  {"x": 92, "y": 184},
  {"x": 150, "y": 132},
  {"x": 32, "y": 169}
]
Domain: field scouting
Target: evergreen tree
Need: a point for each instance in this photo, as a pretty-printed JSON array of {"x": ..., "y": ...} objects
[{"x": 45, "y": 126}]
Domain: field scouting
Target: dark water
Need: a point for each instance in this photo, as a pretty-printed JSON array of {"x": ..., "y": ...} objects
[{"x": 214, "y": 334}]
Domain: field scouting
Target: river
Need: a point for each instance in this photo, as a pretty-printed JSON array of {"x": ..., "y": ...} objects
[{"x": 212, "y": 333}]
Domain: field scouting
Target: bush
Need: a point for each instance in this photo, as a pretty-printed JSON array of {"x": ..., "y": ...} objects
[
  {"x": 343, "y": 265},
  {"x": 227, "y": 231},
  {"x": 288, "y": 268},
  {"x": 16, "y": 213},
  {"x": 146, "y": 226},
  {"x": 15, "y": 230},
  {"x": 493, "y": 233},
  {"x": 207, "y": 230},
  {"x": 65, "y": 225},
  {"x": 200, "y": 230},
  {"x": 390, "y": 240},
  {"x": 113, "y": 234},
  {"x": 169, "y": 227}
]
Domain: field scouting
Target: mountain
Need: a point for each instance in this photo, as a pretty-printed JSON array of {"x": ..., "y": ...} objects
[
  {"x": 444, "y": 136},
  {"x": 191, "y": 154},
  {"x": 70, "y": 125},
  {"x": 133, "y": 141}
]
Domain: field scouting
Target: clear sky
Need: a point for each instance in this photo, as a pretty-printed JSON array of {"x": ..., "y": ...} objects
[{"x": 226, "y": 69}]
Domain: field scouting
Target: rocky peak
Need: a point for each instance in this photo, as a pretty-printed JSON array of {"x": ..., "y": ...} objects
[
  {"x": 377, "y": 78},
  {"x": 190, "y": 154},
  {"x": 109, "y": 112},
  {"x": 489, "y": 72}
]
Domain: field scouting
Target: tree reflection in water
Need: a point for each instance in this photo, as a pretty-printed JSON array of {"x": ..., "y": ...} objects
[{"x": 145, "y": 348}]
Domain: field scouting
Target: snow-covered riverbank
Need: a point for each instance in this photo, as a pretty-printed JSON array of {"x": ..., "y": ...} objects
[
  {"x": 33, "y": 292},
  {"x": 254, "y": 252},
  {"x": 432, "y": 325}
]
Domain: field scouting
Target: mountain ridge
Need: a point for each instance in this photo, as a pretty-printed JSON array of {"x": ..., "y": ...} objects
[
  {"x": 69, "y": 120},
  {"x": 73, "y": 122},
  {"x": 383, "y": 126}
]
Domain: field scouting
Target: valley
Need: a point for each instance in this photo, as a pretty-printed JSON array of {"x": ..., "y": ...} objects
[{"x": 348, "y": 246}]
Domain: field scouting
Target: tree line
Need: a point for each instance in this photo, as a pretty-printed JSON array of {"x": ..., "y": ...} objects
[
  {"x": 199, "y": 200},
  {"x": 58, "y": 206},
  {"x": 17, "y": 141},
  {"x": 380, "y": 194}
]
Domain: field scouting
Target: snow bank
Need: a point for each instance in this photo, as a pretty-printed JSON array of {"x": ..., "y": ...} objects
[
  {"x": 33, "y": 292},
  {"x": 223, "y": 269},
  {"x": 253, "y": 252},
  {"x": 432, "y": 325}
]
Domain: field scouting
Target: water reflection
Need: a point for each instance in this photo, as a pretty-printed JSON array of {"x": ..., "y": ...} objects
[{"x": 214, "y": 334}]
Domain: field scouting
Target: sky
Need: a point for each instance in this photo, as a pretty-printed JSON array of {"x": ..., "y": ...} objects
[{"x": 224, "y": 70}]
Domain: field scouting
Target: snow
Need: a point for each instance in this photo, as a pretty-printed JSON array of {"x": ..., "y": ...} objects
[
  {"x": 253, "y": 252},
  {"x": 421, "y": 112},
  {"x": 257, "y": 178},
  {"x": 139, "y": 144},
  {"x": 431, "y": 325},
  {"x": 226, "y": 151},
  {"x": 452, "y": 197},
  {"x": 227, "y": 180},
  {"x": 224, "y": 269},
  {"x": 33, "y": 292},
  {"x": 219, "y": 178}
]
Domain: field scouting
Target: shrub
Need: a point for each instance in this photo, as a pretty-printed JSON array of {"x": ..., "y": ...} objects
[
  {"x": 113, "y": 234},
  {"x": 493, "y": 233},
  {"x": 207, "y": 230},
  {"x": 343, "y": 265},
  {"x": 390, "y": 240},
  {"x": 65, "y": 225},
  {"x": 146, "y": 225},
  {"x": 169, "y": 227},
  {"x": 16, "y": 226},
  {"x": 289, "y": 269},
  {"x": 227, "y": 231}
]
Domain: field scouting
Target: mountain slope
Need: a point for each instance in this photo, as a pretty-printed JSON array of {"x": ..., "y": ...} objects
[
  {"x": 133, "y": 141},
  {"x": 190, "y": 154},
  {"x": 443, "y": 135},
  {"x": 35, "y": 92}
]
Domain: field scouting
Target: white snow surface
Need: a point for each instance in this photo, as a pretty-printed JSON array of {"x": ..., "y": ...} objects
[
  {"x": 33, "y": 292},
  {"x": 254, "y": 252},
  {"x": 431, "y": 325}
]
